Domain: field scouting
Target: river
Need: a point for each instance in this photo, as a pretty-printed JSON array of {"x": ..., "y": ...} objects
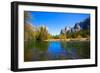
[{"x": 56, "y": 50}]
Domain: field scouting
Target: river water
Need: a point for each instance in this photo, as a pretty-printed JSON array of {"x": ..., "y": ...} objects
[{"x": 56, "y": 50}]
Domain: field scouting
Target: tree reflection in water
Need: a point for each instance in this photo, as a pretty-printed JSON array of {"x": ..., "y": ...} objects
[{"x": 56, "y": 50}]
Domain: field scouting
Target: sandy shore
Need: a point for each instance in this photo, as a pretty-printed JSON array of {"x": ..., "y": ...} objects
[{"x": 76, "y": 39}]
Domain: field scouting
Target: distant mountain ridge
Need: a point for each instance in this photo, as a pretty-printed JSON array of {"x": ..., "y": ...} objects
[{"x": 84, "y": 25}]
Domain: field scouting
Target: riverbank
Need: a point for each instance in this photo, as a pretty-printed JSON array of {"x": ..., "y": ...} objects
[{"x": 75, "y": 39}]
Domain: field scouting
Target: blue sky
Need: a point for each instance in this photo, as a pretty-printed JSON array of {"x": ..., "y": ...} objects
[{"x": 56, "y": 21}]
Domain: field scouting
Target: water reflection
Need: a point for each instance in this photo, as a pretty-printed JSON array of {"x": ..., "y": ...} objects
[{"x": 42, "y": 51}]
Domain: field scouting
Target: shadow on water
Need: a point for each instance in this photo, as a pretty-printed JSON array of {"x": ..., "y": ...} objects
[
  {"x": 81, "y": 49},
  {"x": 35, "y": 50},
  {"x": 56, "y": 50}
]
